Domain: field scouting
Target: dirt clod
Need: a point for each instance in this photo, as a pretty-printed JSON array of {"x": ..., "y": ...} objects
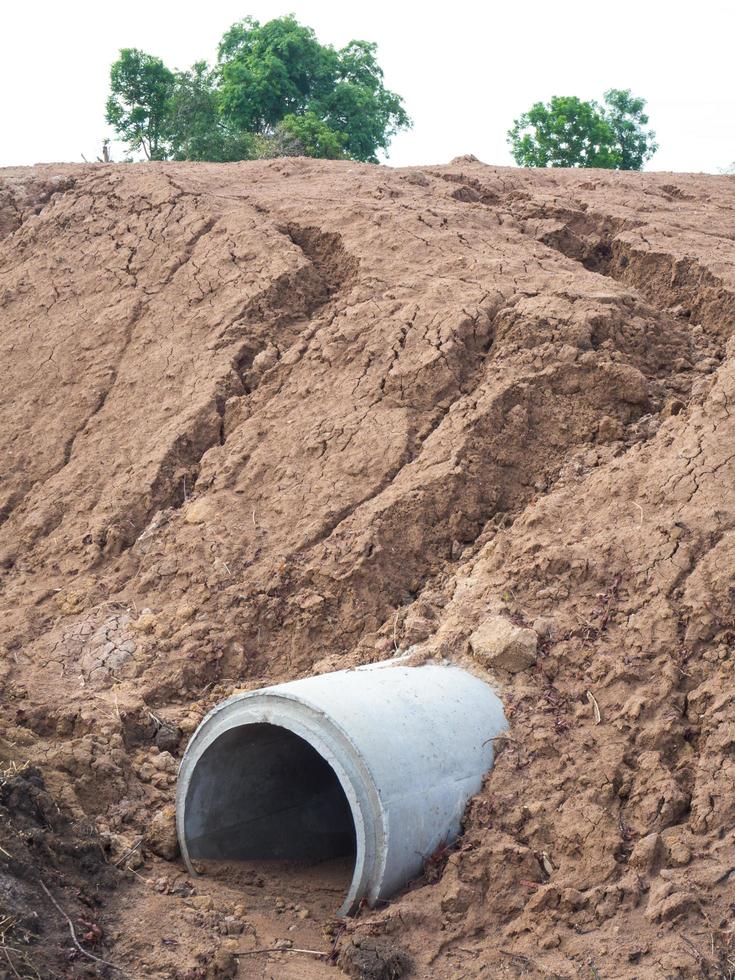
[
  {"x": 161, "y": 837},
  {"x": 374, "y": 960},
  {"x": 499, "y": 644}
]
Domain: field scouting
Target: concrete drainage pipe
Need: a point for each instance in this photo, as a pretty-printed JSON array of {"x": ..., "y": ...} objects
[{"x": 378, "y": 761}]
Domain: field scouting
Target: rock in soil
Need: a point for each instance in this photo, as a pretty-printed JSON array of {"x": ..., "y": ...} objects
[
  {"x": 161, "y": 837},
  {"x": 499, "y": 644}
]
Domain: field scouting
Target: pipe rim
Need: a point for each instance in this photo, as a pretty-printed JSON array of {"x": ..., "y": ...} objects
[{"x": 297, "y": 715}]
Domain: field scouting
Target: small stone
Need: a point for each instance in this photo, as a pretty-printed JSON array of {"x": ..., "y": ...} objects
[
  {"x": 544, "y": 626},
  {"x": 186, "y": 611},
  {"x": 70, "y": 603},
  {"x": 265, "y": 360},
  {"x": 679, "y": 854},
  {"x": 198, "y": 512},
  {"x": 647, "y": 852},
  {"x": 135, "y": 861},
  {"x": 707, "y": 365},
  {"x": 572, "y": 899},
  {"x": 223, "y": 965},
  {"x": 567, "y": 352},
  {"x": 416, "y": 628},
  {"x": 628, "y": 383},
  {"x": 125, "y": 853},
  {"x": 309, "y": 600},
  {"x": 666, "y": 903},
  {"x": 498, "y": 643},
  {"x": 303, "y": 914},
  {"x": 167, "y": 739},
  {"x": 202, "y": 902},
  {"x": 146, "y": 772},
  {"x": 189, "y": 723},
  {"x": 161, "y": 837},
  {"x": 145, "y": 623},
  {"x": 609, "y": 429},
  {"x": 672, "y": 407},
  {"x": 164, "y": 762},
  {"x": 466, "y": 194},
  {"x": 457, "y": 898},
  {"x": 232, "y": 925},
  {"x": 415, "y": 177}
]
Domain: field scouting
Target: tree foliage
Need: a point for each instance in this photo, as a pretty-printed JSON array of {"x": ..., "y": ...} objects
[
  {"x": 141, "y": 88},
  {"x": 271, "y": 71},
  {"x": 197, "y": 128},
  {"x": 280, "y": 71},
  {"x": 626, "y": 115},
  {"x": 275, "y": 87},
  {"x": 311, "y": 136},
  {"x": 357, "y": 104},
  {"x": 568, "y": 132}
]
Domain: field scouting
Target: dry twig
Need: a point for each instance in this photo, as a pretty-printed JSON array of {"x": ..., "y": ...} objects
[
  {"x": 128, "y": 854},
  {"x": 283, "y": 949},
  {"x": 82, "y": 950},
  {"x": 10, "y": 962},
  {"x": 595, "y": 707}
]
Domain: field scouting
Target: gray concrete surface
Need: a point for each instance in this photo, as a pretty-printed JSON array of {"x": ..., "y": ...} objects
[{"x": 378, "y": 762}]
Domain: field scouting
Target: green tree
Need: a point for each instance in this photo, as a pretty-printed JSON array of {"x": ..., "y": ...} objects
[
  {"x": 197, "y": 130},
  {"x": 275, "y": 90},
  {"x": 566, "y": 132},
  {"x": 279, "y": 71},
  {"x": 625, "y": 114},
  {"x": 358, "y": 105},
  {"x": 310, "y": 136},
  {"x": 269, "y": 71},
  {"x": 140, "y": 91}
]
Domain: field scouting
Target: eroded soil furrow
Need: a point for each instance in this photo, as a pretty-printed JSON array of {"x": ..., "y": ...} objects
[{"x": 672, "y": 284}]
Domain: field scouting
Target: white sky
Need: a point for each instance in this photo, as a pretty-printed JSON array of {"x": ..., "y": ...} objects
[{"x": 465, "y": 70}]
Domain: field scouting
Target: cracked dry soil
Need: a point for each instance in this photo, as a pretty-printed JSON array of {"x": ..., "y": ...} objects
[{"x": 268, "y": 419}]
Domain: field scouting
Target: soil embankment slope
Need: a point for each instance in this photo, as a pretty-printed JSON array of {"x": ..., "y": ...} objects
[{"x": 263, "y": 419}]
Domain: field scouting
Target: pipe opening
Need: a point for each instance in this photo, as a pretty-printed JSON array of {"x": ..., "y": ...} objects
[{"x": 261, "y": 792}]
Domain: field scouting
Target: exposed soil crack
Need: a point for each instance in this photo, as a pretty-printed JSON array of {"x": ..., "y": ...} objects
[
  {"x": 292, "y": 300},
  {"x": 602, "y": 244}
]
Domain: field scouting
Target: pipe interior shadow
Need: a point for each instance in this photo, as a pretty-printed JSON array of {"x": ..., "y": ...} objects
[{"x": 260, "y": 792}]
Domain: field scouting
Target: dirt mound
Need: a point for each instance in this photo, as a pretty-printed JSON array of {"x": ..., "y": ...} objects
[{"x": 260, "y": 420}]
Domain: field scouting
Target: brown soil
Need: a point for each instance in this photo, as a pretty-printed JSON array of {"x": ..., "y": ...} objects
[{"x": 261, "y": 420}]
